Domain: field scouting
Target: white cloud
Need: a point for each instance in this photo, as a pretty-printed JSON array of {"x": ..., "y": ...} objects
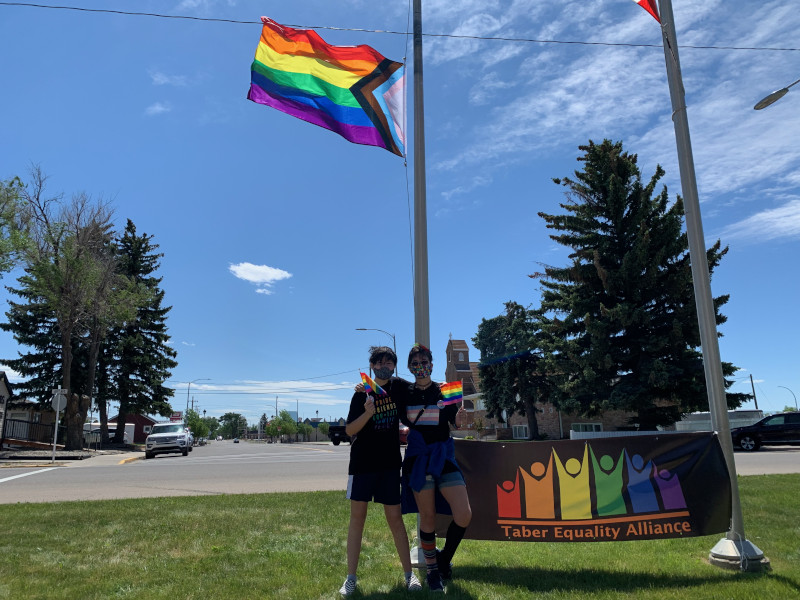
[
  {"x": 204, "y": 7},
  {"x": 159, "y": 78},
  {"x": 770, "y": 224},
  {"x": 12, "y": 375},
  {"x": 262, "y": 275},
  {"x": 487, "y": 88},
  {"x": 158, "y": 108},
  {"x": 553, "y": 97}
]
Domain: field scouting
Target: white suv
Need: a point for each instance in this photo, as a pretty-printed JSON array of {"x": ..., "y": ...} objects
[{"x": 167, "y": 437}]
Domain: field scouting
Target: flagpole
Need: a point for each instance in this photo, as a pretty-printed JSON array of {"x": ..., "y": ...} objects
[
  {"x": 734, "y": 551},
  {"x": 422, "y": 332},
  {"x": 421, "y": 308}
]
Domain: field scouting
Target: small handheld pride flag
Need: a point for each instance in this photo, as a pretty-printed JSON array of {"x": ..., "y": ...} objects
[
  {"x": 371, "y": 386},
  {"x": 452, "y": 392}
]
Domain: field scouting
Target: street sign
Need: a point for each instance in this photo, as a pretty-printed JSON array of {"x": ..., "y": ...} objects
[{"x": 59, "y": 402}]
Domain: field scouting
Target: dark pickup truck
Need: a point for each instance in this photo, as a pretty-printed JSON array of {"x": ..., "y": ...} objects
[{"x": 338, "y": 434}]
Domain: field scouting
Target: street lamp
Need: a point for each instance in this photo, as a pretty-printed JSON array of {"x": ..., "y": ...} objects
[
  {"x": 771, "y": 99},
  {"x": 784, "y": 387},
  {"x": 188, "y": 389},
  {"x": 391, "y": 335}
]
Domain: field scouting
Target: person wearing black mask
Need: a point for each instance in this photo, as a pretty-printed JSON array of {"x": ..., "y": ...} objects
[{"x": 374, "y": 470}]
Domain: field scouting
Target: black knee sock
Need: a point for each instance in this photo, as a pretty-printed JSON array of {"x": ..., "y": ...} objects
[{"x": 455, "y": 533}]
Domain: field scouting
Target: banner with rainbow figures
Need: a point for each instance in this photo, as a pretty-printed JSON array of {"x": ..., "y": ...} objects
[{"x": 598, "y": 490}]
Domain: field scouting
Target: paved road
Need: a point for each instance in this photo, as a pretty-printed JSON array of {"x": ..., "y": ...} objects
[
  {"x": 228, "y": 468},
  {"x": 218, "y": 468},
  {"x": 768, "y": 461}
]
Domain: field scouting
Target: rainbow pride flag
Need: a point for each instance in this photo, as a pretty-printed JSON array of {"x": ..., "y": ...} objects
[
  {"x": 352, "y": 90},
  {"x": 453, "y": 392},
  {"x": 371, "y": 386}
]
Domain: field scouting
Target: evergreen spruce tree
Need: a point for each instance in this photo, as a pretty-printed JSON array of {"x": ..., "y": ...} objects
[
  {"x": 137, "y": 358},
  {"x": 513, "y": 378},
  {"x": 621, "y": 316},
  {"x": 35, "y": 329}
]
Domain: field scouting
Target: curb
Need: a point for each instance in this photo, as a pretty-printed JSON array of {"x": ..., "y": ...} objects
[
  {"x": 22, "y": 465},
  {"x": 125, "y": 461}
]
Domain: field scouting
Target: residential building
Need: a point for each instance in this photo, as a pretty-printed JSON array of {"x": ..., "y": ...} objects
[{"x": 553, "y": 424}]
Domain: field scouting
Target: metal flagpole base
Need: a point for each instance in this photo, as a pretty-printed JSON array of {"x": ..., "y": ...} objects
[
  {"x": 740, "y": 555},
  {"x": 417, "y": 557}
]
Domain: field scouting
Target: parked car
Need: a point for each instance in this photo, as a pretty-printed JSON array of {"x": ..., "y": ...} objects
[
  {"x": 235, "y": 440},
  {"x": 780, "y": 429},
  {"x": 191, "y": 438},
  {"x": 167, "y": 437},
  {"x": 338, "y": 435},
  {"x": 403, "y": 434}
]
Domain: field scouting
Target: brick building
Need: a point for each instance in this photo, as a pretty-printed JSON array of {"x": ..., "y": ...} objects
[{"x": 553, "y": 424}]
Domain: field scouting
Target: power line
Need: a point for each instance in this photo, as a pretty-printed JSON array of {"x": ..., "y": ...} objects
[
  {"x": 269, "y": 391},
  {"x": 390, "y": 32}
]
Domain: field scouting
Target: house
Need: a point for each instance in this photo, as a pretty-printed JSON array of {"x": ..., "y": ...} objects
[
  {"x": 23, "y": 422},
  {"x": 5, "y": 398},
  {"x": 553, "y": 424},
  {"x": 142, "y": 426}
]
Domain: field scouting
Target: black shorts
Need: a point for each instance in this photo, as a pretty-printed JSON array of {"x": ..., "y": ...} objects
[{"x": 382, "y": 487}]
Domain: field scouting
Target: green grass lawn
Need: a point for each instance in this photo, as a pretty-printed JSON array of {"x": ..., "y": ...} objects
[{"x": 292, "y": 546}]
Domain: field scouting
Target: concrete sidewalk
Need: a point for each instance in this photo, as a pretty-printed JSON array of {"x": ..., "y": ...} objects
[{"x": 32, "y": 458}]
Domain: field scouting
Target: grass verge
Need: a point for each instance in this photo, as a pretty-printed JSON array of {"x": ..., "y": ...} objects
[{"x": 292, "y": 546}]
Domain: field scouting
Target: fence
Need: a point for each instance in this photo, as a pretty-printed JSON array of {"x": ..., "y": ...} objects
[{"x": 15, "y": 429}]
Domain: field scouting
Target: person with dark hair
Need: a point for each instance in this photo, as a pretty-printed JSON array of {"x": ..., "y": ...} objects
[
  {"x": 430, "y": 469},
  {"x": 374, "y": 470}
]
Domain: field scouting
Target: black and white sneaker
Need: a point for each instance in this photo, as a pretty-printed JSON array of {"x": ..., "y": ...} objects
[
  {"x": 348, "y": 587},
  {"x": 413, "y": 584}
]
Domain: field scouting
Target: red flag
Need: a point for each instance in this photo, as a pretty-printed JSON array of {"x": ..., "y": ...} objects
[{"x": 649, "y": 6}]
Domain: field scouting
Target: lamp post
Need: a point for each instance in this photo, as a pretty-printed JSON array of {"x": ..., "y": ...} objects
[
  {"x": 790, "y": 391},
  {"x": 188, "y": 389},
  {"x": 771, "y": 99},
  {"x": 391, "y": 335}
]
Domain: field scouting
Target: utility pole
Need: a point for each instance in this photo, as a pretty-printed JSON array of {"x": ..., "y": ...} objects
[{"x": 753, "y": 387}]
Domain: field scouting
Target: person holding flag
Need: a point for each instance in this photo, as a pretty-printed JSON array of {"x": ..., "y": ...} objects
[
  {"x": 374, "y": 469},
  {"x": 430, "y": 471}
]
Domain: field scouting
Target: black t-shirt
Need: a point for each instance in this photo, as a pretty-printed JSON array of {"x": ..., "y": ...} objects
[
  {"x": 419, "y": 410},
  {"x": 377, "y": 446}
]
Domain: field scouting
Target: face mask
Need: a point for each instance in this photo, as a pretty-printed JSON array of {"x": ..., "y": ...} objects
[
  {"x": 421, "y": 371},
  {"x": 383, "y": 372}
]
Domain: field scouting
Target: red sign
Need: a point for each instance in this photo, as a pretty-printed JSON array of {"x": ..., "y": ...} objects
[{"x": 176, "y": 416}]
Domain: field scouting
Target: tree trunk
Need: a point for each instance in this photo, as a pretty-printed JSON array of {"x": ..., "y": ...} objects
[
  {"x": 533, "y": 423},
  {"x": 72, "y": 412},
  {"x": 94, "y": 351},
  {"x": 119, "y": 436}
]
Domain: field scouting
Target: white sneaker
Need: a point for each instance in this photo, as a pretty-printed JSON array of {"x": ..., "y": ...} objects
[
  {"x": 348, "y": 587},
  {"x": 413, "y": 584}
]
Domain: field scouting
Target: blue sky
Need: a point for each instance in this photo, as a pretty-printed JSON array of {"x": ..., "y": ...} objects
[{"x": 281, "y": 238}]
